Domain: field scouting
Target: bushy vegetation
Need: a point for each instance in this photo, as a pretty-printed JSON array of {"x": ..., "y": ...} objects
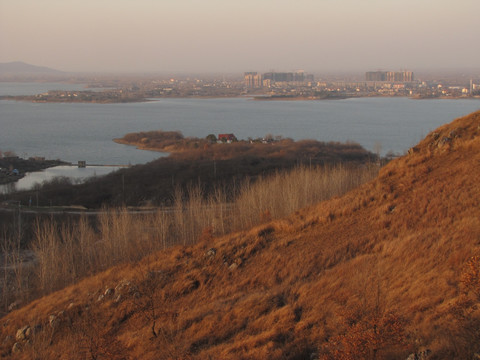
[{"x": 159, "y": 140}]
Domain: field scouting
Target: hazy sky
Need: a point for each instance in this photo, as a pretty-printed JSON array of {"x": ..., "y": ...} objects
[{"x": 241, "y": 35}]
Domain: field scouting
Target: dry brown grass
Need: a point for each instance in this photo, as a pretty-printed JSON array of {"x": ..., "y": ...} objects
[
  {"x": 383, "y": 263},
  {"x": 67, "y": 252}
]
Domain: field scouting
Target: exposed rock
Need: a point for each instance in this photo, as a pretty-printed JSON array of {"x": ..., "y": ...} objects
[
  {"x": 211, "y": 253},
  {"x": 421, "y": 355},
  {"x": 232, "y": 267},
  {"x": 109, "y": 292},
  {"x": 23, "y": 333},
  {"x": 13, "y": 306},
  {"x": 413, "y": 150},
  {"x": 17, "y": 347},
  {"x": 54, "y": 321},
  {"x": 122, "y": 286}
]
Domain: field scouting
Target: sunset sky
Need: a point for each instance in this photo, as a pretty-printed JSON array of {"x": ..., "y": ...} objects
[{"x": 237, "y": 36}]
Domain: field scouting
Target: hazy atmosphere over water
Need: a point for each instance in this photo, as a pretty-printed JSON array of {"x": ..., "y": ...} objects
[{"x": 235, "y": 36}]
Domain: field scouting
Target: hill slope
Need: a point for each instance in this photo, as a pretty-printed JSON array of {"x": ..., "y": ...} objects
[
  {"x": 21, "y": 68},
  {"x": 373, "y": 274}
]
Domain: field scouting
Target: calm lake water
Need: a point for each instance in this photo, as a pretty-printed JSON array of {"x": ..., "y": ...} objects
[
  {"x": 73, "y": 132},
  {"x": 74, "y": 172}
]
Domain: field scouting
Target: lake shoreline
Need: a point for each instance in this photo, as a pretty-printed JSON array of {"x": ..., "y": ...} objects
[
  {"x": 15, "y": 168},
  {"x": 74, "y": 132},
  {"x": 37, "y": 99},
  {"x": 140, "y": 146}
]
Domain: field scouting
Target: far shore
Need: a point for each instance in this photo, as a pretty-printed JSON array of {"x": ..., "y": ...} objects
[{"x": 35, "y": 99}]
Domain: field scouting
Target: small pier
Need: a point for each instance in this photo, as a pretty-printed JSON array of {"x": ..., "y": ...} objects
[{"x": 81, "y": 164}]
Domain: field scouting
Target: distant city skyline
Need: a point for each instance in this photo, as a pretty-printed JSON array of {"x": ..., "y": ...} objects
[{"x": 227, "y": 36}]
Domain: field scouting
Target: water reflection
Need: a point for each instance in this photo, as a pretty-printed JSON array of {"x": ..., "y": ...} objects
[{"x": 76, "y": 174}]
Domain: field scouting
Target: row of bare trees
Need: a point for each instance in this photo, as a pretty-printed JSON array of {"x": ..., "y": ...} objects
[{"x": 65, "y": 252}]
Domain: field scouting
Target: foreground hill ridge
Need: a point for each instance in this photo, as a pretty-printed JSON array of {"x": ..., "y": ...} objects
[{"x": 373, "y": 274}]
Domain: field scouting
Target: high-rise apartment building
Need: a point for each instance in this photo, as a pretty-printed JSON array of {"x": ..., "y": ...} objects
[
  {"x": 279, "y": 76},
  {"x": 408, "y": 76},
  {"x": 298, "y": 76},
  {"x": 389, "y": 76},
  {"x": 375, "y": 76},
  {"x": 252, "y": 80}
]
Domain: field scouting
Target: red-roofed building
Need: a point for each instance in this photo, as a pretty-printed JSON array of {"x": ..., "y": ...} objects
[{"x": 226, "y": 138}]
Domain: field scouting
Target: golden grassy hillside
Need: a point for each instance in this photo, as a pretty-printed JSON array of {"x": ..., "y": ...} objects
[{"x": 379, "y": 273}]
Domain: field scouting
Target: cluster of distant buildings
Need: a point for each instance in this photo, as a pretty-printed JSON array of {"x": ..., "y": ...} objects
[
  {"x": 230, "y": 138},
  {"x": 405, "y": 80},
  {"x": 253, "y": 80},
  {"x": 390, "y": 76}
]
